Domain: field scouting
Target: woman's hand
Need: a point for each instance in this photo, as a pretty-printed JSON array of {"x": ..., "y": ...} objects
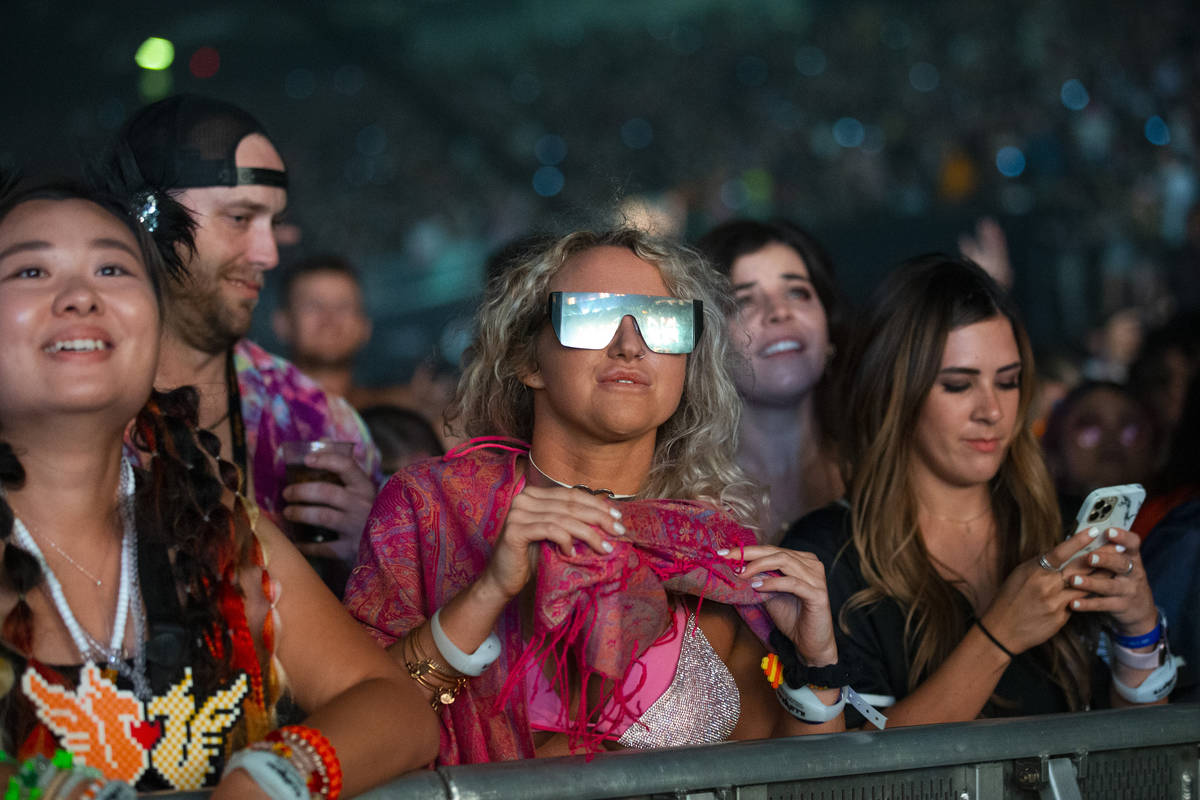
[
  {"x": 796, "y": 599},
  {"x": 548, "y": 515},
  {"x": 1114, "y": 581},
  {"x": 1034, "y": 602}
]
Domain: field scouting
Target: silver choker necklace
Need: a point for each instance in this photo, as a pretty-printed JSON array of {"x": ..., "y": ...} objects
[{"x": 611, "y": 494}]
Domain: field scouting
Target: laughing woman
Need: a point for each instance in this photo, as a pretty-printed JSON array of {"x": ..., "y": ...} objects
[
  {"x": 147, "y": 627},
  {"x": 787, "y": 327},
  {"x": 545, "y": 592}
]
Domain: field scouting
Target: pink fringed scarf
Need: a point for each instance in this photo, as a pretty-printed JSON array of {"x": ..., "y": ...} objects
[
  {"x": 595, "y": 614},
  {"x": 430, "y": 536}
]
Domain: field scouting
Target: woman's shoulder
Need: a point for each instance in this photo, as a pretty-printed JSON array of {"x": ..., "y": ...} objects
[
  {"x": 823, "y": 532},
  {"x": 453, "y": 474}
]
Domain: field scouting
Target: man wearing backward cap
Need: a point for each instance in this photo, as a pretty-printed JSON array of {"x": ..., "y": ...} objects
[{"x": 217, "y": 162}]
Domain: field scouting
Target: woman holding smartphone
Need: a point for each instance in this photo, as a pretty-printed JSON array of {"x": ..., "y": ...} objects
[
  {"x": 598, "y": 586},
  {"x": 946, "y": 565}
]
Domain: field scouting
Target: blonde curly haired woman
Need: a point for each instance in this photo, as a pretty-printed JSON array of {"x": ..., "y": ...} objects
[{"x": 545, "y": 592}]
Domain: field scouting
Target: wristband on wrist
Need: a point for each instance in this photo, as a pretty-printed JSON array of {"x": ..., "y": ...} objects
[
  {"x": 804, "y": 705},
  {"x": 1158, "y": 684},
  {"x": 1148, "y": 638},
  {"x": 311, "y": 754},
  {"x": 109, "y": 790},
  {"x": 429, "y": 674},
  {"x": 275, "y": 774},
  {"x": 1135, "y": 660},
  {"x": 1132, "y": 642},
  {"x": 979, "y": 624},
  {"x": 796, "y": 673},
  {"x": 472, "y": 664}
]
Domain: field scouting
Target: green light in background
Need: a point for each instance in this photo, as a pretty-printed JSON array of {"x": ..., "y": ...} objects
[
  {"x": 155, "y": 86},
  {"x": 155, "y": 53}
]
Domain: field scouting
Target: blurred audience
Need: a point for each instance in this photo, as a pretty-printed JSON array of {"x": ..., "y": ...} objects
[
  {"x": 1113, "y": 345},
  {"x": 1100, "y": 434},
  {"x": 1178, "y": 481},
  {"x": 402, "y": 435},
  {"x": 322, "y": 321},
  {"x": 988, "y": 248},
  {"x": 1057, "y": 374},
  {"x": 786, "y": 328},
  {"x": 1171, "y": 554},
  {"x": 1164, "y": 368}
]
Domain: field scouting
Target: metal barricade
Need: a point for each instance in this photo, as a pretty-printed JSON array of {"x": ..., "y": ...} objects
[
  {"x": 1151, "y": 753},
  {"x": 1128, "y": 754}
]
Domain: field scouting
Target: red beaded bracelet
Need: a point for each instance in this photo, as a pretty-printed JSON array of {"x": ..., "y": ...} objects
[{"x": 325, "y": 774}]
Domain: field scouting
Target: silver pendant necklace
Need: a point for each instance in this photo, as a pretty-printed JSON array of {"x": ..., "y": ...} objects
[
  {"x": 611, "y": 494},
  {"x": 128, "y": 596},
  {"x": 54, "y": 546}
]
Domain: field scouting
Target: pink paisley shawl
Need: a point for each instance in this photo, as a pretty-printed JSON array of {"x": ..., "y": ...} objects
[{"x": 430, "y": 535}]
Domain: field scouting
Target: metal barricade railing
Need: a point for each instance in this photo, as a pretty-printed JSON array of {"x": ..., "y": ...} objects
[{"x": 1127, "y": 754}]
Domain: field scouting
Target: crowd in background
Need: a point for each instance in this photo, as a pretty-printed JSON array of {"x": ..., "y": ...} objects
[{"x": 871, "y": 466}]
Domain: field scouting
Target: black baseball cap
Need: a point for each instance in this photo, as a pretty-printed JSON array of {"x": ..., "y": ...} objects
[{"x": 189, "y": 141}]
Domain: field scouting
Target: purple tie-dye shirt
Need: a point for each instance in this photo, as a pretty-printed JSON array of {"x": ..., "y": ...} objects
[{"x": 282, "y": 404}]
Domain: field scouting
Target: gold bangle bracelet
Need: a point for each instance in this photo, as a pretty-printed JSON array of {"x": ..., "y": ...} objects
[{"x": 428, "y": 674}]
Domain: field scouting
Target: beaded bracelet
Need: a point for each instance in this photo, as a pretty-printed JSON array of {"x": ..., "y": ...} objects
[
  {"x": 59, "y": 776},
  {"x": 426, "y": 672},
  {"x": 317, "y": 754}
]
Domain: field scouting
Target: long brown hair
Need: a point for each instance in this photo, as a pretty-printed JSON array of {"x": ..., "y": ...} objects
[{"x": 893, "y": 362}]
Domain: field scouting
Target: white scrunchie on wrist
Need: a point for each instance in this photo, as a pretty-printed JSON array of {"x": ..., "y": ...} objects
[
  {"x": 472, "y": 664},
  {"x": 273, "y": 773}
]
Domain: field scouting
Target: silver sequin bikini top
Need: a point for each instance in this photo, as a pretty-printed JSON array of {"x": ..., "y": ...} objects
[{"x": 701, "y": 705}]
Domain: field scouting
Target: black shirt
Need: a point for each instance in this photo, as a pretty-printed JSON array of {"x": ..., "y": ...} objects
[{"x": 876, "y": 632}]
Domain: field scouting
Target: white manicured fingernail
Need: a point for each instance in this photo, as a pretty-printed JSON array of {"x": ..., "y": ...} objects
[
  {"x": 1113, "y": 533},
  {"x": 615, "y": 513},
  {"x": 608, "y": 548},
  {"x": 724, "y": 551},
  {"x": 1095, "y": 559},
  {"x": 1120, "y": 548},
  {"x": 618, "y": 528},
  {"x": 1075, "y": 604},
  {"x": 1078, "y": 580},
  {"x": 756, "y": 583},
  {"x": 1094, "y": 532}
]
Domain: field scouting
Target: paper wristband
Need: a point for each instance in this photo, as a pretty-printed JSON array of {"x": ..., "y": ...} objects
[
  {"x": 472, "y": 664},
  {"x": 1135, "y": 660},
  {"x": 274, "y": 774},
  {"x": 869, "y": 712},
  {"x": 804, "y": 705},
  {"x": 1158, "y": 684}
]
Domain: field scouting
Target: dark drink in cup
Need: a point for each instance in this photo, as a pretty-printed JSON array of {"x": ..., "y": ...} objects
[{"x": 299, "y": 472}]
